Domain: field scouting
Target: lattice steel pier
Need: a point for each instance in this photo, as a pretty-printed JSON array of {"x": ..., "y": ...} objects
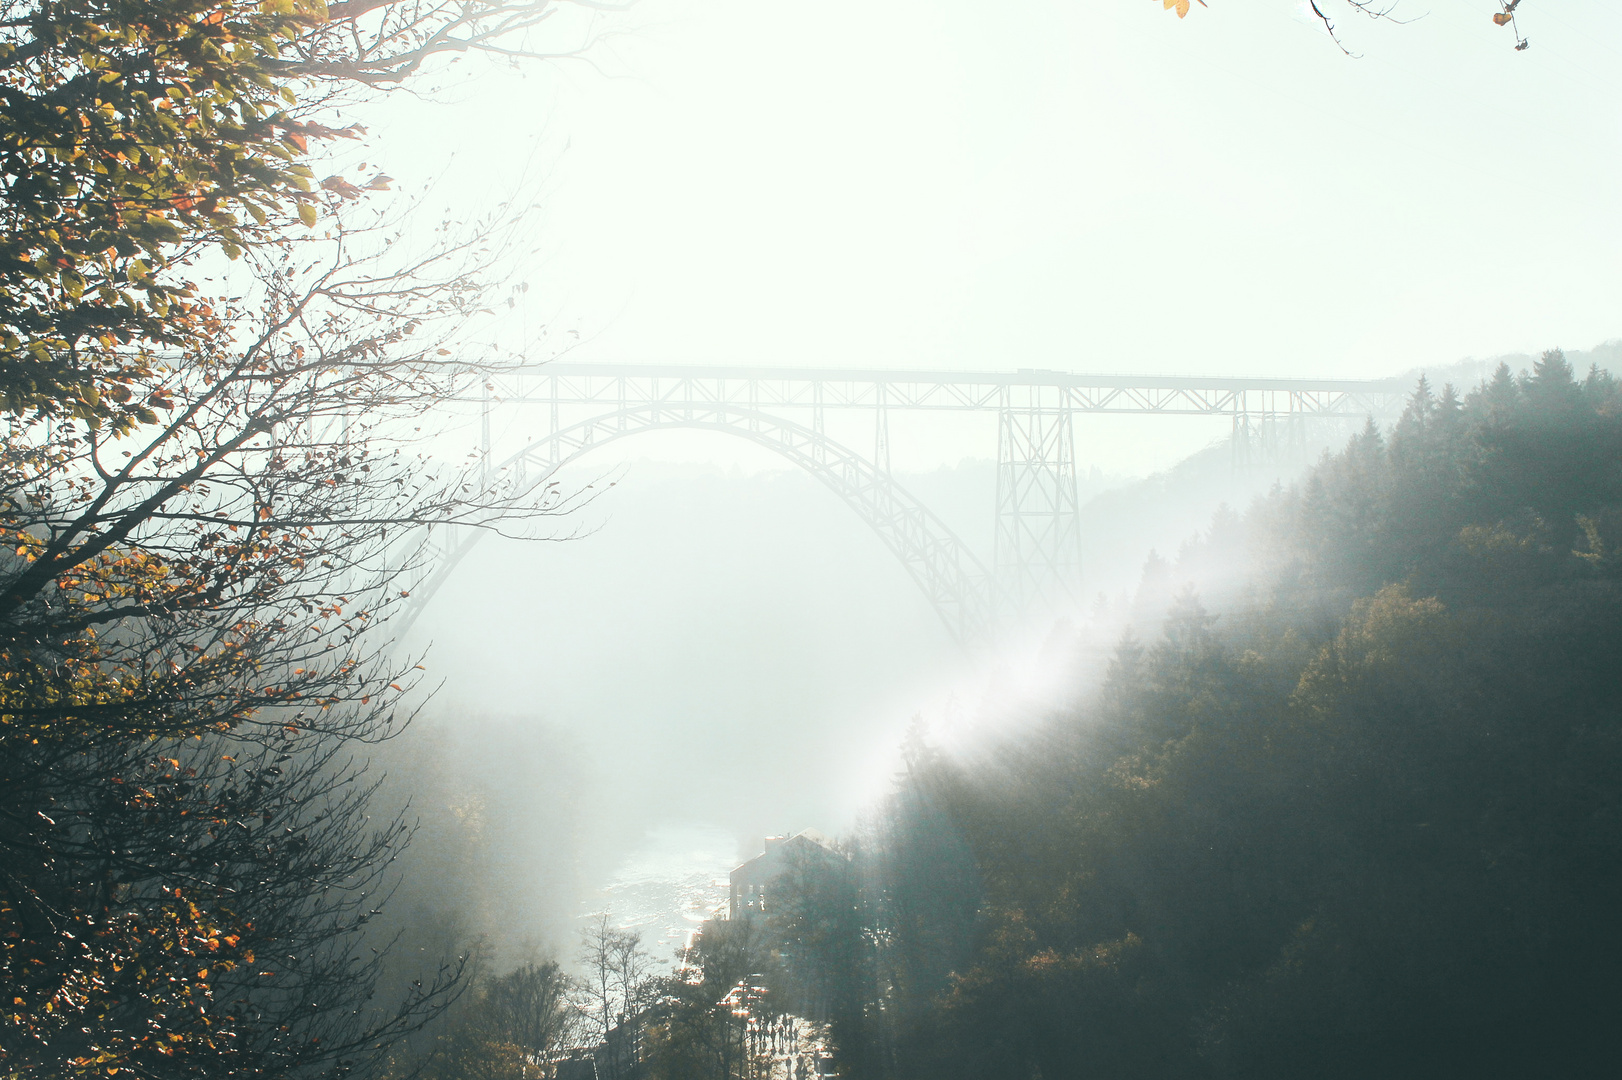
[{"x": 1038, "y": 554}]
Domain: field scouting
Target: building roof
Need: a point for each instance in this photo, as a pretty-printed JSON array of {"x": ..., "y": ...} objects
[{"x": 806, "y": 836}]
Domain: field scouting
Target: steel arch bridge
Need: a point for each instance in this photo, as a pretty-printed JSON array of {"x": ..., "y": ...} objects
[
  {"x": 1038, "y": 536},
  {"x": 944, "y": 568}
]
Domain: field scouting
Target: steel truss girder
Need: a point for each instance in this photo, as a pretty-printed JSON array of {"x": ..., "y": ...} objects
[
  {"x": 610, "y": 385},
  {"x": 955, "y": 582}
]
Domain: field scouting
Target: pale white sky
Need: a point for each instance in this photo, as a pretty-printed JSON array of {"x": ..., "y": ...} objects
[
  {"x": 1085, "y": 184},
  {"x": 1076, "y": 184}
]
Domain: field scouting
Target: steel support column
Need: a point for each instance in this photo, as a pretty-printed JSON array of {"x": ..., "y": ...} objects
[
  {"x": 881, "y": 433},
  {"x": 1038, "y": 554}
]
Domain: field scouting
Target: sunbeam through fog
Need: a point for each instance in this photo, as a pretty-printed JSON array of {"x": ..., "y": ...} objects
[{"x": 733, "y": 540}]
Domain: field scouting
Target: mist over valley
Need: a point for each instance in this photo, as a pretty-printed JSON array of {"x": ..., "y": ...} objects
[{"x": 731, "y": 540}]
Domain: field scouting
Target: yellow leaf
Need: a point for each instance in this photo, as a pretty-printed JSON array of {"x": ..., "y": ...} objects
[
  {"x": 306, "y": 213},
  {"x": 1502, "y": 18}
]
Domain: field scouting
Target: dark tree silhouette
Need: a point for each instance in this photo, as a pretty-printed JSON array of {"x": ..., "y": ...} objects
[{"x": 1366, "y": 822}]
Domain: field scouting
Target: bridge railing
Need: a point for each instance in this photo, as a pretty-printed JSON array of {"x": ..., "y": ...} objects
[{"x": 573, "y": 383}]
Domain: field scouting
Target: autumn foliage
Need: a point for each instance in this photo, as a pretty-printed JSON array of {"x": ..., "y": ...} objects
[
  {"x": 1503, "y": 17},
  {"x": 209, "y": 503}
]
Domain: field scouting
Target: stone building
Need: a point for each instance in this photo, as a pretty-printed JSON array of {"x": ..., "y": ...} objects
[{"x": 807, "y": 851}]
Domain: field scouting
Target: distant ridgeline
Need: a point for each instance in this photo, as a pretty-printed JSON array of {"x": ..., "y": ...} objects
[
  {"x": 1607, "y": 356},
  {"x": 1366, "y": 823}
]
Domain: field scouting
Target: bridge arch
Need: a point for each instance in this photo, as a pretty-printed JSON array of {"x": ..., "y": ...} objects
[{"x": 954, "y": 581}]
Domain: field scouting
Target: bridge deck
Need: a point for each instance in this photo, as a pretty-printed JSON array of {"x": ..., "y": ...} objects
[{"x": 627, "y": 385}]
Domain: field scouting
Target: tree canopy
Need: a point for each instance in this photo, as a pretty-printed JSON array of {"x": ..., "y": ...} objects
[
  {"x": 140, "y": 135},
  {"x": 1363, "y": 821},
  {"x": 209, "y": 505}
]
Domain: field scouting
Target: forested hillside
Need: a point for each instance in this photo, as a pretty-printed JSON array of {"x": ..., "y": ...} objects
[{"x": 1366, "y": 821}]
